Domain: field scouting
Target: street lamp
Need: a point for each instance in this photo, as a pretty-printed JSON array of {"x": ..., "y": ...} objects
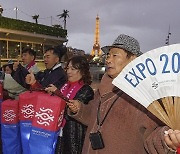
[
  {"x": 16, "y": 9},
  {"x": 1, "y": 10}
]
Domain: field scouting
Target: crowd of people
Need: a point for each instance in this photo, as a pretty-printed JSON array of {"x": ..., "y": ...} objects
[{"x": 101, "y": 122}]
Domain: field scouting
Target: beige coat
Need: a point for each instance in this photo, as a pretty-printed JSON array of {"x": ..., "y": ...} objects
[
  {"x": 13, "y": 88},
  {"x": 127, "y": 129}
]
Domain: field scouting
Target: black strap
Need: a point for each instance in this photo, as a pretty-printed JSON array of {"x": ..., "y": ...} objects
[{"x": 98, "y": 112}]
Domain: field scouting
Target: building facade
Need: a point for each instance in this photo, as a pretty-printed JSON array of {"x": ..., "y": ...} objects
[{"x": 17, "y": 34}]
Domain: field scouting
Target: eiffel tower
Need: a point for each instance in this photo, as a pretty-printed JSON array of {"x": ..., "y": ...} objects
[{"x": 96, "y": 51}]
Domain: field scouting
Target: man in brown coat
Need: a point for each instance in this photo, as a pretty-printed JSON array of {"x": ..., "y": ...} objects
[{"x": 117, "y": 124}]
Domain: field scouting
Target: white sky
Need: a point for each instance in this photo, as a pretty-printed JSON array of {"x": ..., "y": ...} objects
[{"x": 146, "y": 20}]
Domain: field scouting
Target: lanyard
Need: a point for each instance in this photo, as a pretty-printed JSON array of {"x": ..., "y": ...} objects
[{"x": 98, "y": 112}]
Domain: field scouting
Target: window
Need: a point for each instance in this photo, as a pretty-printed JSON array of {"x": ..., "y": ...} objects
[
  {"x": 3, "y": 49},
  {"x": 39, "y": 50},
  {"x": 14, "y": 49}
]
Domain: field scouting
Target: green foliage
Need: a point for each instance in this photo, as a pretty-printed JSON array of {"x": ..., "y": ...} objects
[{"x": 14, "y": 24}]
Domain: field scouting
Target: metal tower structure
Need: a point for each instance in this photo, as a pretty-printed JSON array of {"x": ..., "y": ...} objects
[{"x": 96, "y": 51}]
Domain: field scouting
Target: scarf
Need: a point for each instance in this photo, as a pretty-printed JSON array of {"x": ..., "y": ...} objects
[{"x": 70, "y": 89}]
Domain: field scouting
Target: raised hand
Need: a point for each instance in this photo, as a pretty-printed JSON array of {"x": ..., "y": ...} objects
[
  {"x": 30, "y": 78},
  {"x": 15, "y": 65},
  {"x": 51, "y": 88}
]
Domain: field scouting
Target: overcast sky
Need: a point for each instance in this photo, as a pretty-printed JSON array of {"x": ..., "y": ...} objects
[{"x": 146, "y": 20}]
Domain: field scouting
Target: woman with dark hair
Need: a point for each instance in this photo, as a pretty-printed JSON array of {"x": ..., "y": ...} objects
[
  {"x": 77, "y": 88},
  {"x": 8, "y": 68}
]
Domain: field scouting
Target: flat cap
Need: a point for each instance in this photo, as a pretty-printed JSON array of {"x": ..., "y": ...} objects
[{"x": 125, "y": 42}]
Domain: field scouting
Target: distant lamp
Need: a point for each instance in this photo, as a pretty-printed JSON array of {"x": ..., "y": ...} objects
[
  {"x": 103, "y": 69},
  {"x": 16, "y": 9},
  {"x": 1, "y": 10}
]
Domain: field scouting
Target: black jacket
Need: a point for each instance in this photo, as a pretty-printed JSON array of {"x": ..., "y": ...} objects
[
  {"x": 56, "y": 76},
  {"x": 74, "y": 131}
]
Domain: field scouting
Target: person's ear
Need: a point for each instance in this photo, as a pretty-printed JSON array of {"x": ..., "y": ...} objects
[
  {"x": 57, "y": 59},
  {"x": 32, "y": 57},
  {"x": 133, "y": 57}
]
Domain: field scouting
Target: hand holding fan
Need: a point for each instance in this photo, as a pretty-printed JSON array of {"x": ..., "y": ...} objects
[{"x": 153, "y": 79}]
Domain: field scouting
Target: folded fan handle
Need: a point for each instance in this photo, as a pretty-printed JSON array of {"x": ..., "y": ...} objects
[
  {"x": 37, "y": 89},
  {"x": 62, "y": 96},
  {"x": 57, "y": 94}
]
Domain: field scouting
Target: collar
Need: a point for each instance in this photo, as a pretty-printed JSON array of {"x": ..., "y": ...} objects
[
  {"x": 106, "y": 85},
  {"x": 76, "y": 82},
  {"x": 32, "y": 63},
  {"x": 56, "y": 66}
]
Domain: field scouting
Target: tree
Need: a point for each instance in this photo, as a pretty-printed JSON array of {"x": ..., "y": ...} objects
[
  {"x": 64, "y": 15},
  {"x": 35, "y": 17},
  {"x": 1, "y": 10}
]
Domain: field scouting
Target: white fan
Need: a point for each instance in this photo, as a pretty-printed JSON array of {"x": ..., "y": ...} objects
[{"x": 153, "y": 79}]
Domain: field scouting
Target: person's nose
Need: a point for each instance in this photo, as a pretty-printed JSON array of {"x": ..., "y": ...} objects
[
  {"x": 109, "y": 59},
  {"x": 68, "y": 71},
  {"x": 45, "y": 59}
]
